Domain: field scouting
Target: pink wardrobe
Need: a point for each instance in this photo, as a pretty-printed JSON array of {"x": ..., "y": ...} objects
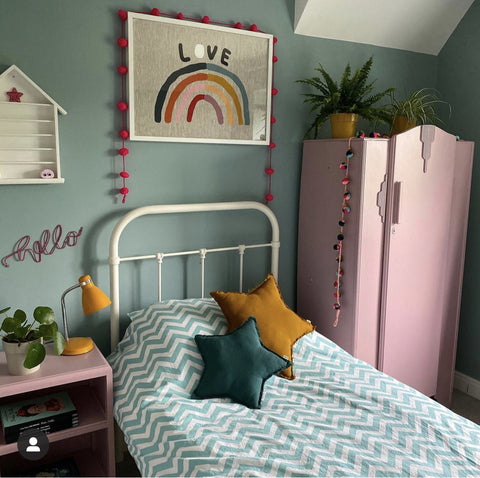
[{"x": 403, "y": 250}]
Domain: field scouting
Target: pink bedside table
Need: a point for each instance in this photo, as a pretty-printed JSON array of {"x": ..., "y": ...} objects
[{"x": 88, "y": 380}]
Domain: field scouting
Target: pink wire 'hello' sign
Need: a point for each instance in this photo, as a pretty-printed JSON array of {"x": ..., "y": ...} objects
[{"x": 43, "y": 246}]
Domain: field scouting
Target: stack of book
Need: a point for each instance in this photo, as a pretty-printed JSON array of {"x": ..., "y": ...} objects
[{"x": 49, "y": 413}]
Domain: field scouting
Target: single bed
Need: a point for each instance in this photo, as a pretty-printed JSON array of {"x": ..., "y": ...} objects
[{"x": 338, "y": 417}]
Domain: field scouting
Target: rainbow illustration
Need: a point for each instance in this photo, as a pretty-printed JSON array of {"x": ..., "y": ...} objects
[{"x": 203, "y": 82}]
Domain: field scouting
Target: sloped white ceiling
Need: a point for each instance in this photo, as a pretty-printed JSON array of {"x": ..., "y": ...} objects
[{"x": 421, "y": 26}]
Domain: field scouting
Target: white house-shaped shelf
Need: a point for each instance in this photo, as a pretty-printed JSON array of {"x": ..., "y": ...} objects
[{"x": 29, "y": 145}]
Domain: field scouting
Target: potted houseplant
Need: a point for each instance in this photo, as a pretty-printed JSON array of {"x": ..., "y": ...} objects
[
  {"x": 23, "y": 339},
  {"x": 419, "y": 107},
  {"x": 345, "y": 101}
]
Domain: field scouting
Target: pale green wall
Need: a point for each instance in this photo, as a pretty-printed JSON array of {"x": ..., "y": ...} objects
[
  {"x": 69, "y": 49},
  {"x": 459, "y": 80}
]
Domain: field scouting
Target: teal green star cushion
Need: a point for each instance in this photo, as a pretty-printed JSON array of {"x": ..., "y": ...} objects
[{"x": 237, "y": 365}]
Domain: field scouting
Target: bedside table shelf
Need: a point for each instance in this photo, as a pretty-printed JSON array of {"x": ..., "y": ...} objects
[
  {"x": 87, "y": 461},
  {"x": 88, "y": 380}
]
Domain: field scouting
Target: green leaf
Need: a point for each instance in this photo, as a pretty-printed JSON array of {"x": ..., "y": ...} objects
[
  {"x": 58, "y": 343},
  {"x": 11, "y": 324},
  {"x": 20, "y": 314},
  {"x": 35, "y": 355},
  {"x": 48, "y": 331},
  {"x": 5, "y": 310},
  {"x": 44, "y": 315},
  {"x": 21, "y": 332},
  {"x": 35, "y": 334}
]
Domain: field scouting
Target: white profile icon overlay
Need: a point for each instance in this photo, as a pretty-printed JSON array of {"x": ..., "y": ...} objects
[
  {"x": 33, "y": 447},
  {"x": 33, "y": 444}
]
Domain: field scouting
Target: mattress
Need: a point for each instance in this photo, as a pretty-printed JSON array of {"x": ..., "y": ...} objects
[{"x": 339, "y": 417}]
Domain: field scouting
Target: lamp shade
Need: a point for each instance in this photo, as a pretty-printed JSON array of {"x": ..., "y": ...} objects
[{"x": 93, "y": 299}]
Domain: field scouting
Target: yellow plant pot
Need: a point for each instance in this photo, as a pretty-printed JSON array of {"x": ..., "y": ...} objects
[
  {"x": 344, "y": 125},
  {"x": 401, "y": 124}
]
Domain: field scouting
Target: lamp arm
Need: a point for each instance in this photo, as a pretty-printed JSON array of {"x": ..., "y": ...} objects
[{"x": 64, "y": 310}]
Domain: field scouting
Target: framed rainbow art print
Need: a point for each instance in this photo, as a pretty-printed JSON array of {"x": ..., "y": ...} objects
[{"x": 197, "y": 82}]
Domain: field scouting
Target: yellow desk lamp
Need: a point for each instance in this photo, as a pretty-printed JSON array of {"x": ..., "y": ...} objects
[{"x": 93, "y": 300}]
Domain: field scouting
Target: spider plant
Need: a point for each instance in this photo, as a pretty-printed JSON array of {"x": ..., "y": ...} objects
[
  {"x": 354, "y": 94},
  {"x": 419, "y": 107}
]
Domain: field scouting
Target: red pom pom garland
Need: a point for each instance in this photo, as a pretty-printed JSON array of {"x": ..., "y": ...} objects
[
  {"x": 269, "y": 170},
  {"x": 338, "y": 247},
  {"x": 122, "y": 105}
]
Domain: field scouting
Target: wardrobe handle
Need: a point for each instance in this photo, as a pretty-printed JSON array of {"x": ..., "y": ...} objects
[
  {"x": 382, "y": 199},
  {"x": 396, "y": 202}
]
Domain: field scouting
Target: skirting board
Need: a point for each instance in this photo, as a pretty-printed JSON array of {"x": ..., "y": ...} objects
[{"x": 467, "y": 385}]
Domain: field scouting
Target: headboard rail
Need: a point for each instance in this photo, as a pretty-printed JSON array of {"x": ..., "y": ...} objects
[
  {"x": 115, "y": 259},
  {"x": 202, "y": 253}
]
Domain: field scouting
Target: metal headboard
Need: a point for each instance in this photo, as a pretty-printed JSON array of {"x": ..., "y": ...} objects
[{"x": 115, "y": 260}]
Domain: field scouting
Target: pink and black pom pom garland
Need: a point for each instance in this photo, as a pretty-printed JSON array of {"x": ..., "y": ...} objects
[
  {"x": 344, "y": 165},
  {"x": 122, "y": 105}
]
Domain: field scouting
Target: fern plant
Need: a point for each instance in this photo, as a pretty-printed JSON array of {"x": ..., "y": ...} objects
[{"x": 354, "y": 94}]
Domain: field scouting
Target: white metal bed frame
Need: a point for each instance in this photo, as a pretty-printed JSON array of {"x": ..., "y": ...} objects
[{"x": 115, "y": 259}]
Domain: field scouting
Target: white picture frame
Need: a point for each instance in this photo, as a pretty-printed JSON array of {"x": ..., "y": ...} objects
[{"x": 197, "y": 82}]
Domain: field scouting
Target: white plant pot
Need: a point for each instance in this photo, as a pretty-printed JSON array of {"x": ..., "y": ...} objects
[{"x": 15, "y": 354}]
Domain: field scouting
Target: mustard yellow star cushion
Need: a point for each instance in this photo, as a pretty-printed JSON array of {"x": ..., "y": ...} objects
[{"x": 278, "y": 325}]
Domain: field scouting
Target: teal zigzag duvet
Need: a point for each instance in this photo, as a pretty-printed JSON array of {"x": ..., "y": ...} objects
[{"x": 339, "y": 417}]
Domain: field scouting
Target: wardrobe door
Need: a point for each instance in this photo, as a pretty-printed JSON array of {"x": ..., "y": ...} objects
[
  {"x": 370, "y": 252},
  {"x": 320, "y": 207},
  {"x": 419, "y": 202},
  {"x": 321, "y": 196}
]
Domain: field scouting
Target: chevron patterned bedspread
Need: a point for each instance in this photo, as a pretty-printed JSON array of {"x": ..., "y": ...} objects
[{"x": 339, "y": 417}]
